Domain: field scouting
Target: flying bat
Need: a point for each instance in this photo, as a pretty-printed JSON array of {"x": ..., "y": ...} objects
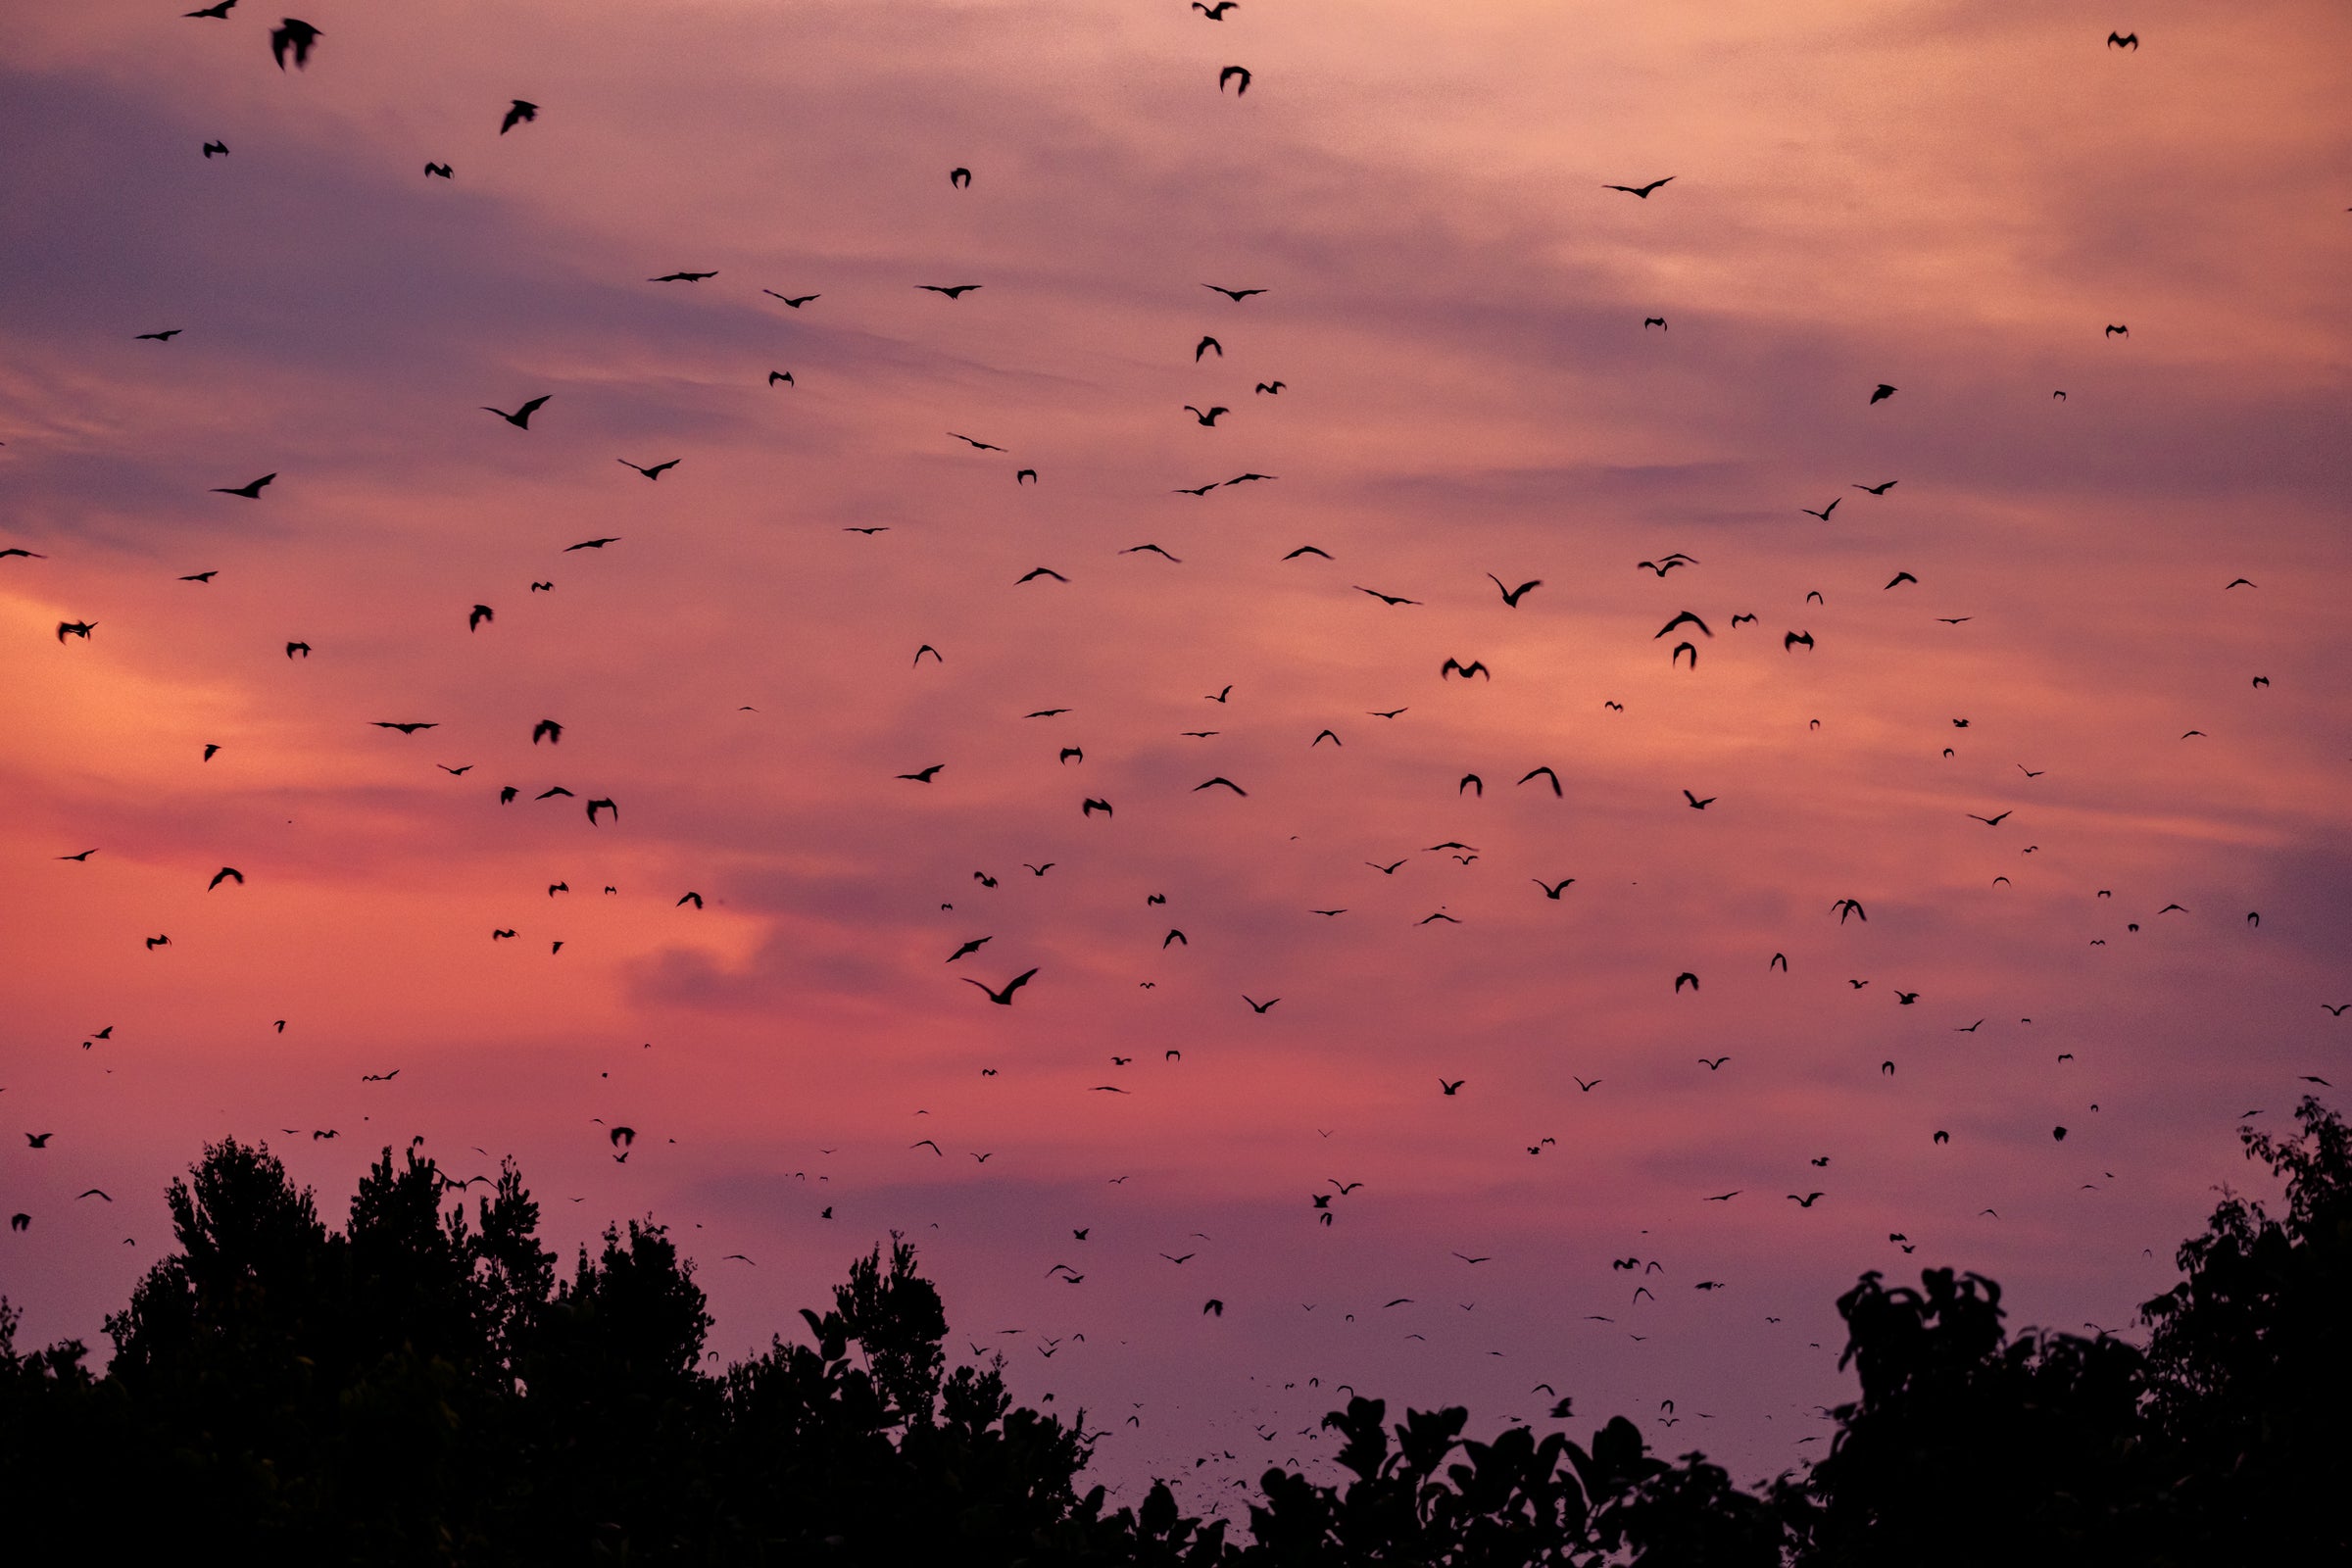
[
  {"x": 1512, "y": 596},
  {"x": 520, "y": 418},
  {"x": 297, "y": 36},
  {"x": 1003, "y": 998}
]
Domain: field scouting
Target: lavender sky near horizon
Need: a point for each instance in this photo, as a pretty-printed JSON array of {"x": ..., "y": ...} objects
[{"x": 1953, "y": 201}]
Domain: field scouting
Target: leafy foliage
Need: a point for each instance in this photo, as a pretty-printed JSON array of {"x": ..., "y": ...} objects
[
  {"x": 425, "y": 1386},
  {"x": 2251, "y": 1360}
]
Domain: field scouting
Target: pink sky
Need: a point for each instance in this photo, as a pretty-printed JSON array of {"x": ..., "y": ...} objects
[{"x": 1954, "y": 201}]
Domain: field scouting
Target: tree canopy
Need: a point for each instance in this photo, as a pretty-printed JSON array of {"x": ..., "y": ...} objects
[{"x": 424, "y": 1386}]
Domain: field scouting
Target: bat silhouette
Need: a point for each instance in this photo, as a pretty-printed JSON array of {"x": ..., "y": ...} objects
[
  {"x": 1231, "y": 71},
  {"x": 294, "y": 35},
  {"x": 1512, "y": 596},
  {"x": 251, "y": 491},
  {"x": 518, "y": 112},
  {"x": 1642, "y": 191},
  {"x": 1003, "y": 998},
  {"x": 520, "y": 418}
]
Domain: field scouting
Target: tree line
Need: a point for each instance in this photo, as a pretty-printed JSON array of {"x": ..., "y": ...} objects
[{"x": 425, "y": 1387}]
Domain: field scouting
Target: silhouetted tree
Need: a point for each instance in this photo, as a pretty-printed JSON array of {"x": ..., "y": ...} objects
[
  {"x": 1967, "y": 1447},
  {"x": 2251, "y": 1357},
  {"x": 1518, "y": 1500},
  {"x": 422, "y": 1387}
]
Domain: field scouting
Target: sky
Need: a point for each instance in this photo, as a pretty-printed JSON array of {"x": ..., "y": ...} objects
[{"x": 2039, "y": 708}]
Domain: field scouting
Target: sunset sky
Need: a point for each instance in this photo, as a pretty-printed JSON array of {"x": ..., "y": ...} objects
[{"x": 1960, "y": 201}]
